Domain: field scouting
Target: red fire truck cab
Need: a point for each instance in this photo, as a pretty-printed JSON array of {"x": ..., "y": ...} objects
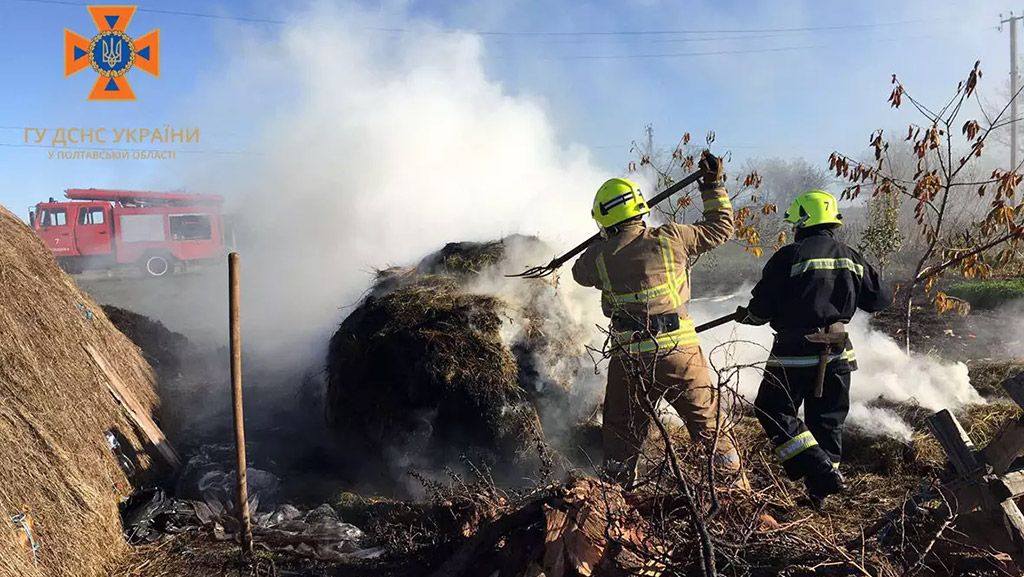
[{"x": 103, "y": 229}]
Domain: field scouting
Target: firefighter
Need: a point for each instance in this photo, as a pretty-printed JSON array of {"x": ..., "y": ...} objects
[
  {"x": 808, "y": 291},
  {"x": 642, "y": 274}
]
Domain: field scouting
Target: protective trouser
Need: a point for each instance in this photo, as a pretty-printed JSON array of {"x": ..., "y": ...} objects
[
  {"x": 682, "y": 378},
  {"x": 814, "y": 447}
]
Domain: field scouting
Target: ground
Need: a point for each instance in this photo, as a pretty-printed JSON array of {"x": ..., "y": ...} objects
[{"x": 777, "y": 533}]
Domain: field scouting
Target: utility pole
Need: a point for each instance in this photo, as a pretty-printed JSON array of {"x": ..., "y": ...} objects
[
  {"x": 650, "y": 141},
  {"x": 1012, "y": 22}
]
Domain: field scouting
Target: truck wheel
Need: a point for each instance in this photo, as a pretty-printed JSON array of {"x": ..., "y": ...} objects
[
  {"x": 70, "y": 265},
  {"x": 156, "y": 265}
]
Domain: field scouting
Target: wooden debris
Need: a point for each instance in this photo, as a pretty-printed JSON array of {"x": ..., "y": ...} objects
[
  {"x": 588, "y": 528},
  {"x": 986, "y": 479},
  {"x": 136, "y": 413}
]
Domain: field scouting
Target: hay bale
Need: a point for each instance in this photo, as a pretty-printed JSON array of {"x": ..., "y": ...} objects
[
  {"x": 161, "y": 347},
  {"x": 463, "y": 258},
  {"x": 419, "y": 376},
  {"x": 55, "y": 462}
]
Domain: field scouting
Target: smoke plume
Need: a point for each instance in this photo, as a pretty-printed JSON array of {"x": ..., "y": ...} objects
[
  {"x": 380, "y": 148},
  {"x": 885, "y": 370},
  {"x": 373, "y": 149}
]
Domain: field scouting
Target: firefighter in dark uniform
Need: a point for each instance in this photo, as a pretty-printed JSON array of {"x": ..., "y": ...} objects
[{"x": 808, "y": 291}]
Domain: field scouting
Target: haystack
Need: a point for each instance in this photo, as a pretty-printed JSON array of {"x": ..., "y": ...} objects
[
  {"x": 418, "y": 378},
  {"x": 161, "y": 347},
  {"x": 60, "y": 481}
]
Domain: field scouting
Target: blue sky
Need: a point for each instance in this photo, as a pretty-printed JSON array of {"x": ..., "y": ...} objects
[{"x": 784, "y": 78}]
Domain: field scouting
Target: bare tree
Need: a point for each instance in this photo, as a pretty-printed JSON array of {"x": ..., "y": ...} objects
[
  {"x": 942, "y": 181},
  {"x": 665, "y": 167},
  {"x": 782, "y": 179}
]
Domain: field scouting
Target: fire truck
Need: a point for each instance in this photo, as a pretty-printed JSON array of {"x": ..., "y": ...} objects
[{"x": 158, "y": 232}]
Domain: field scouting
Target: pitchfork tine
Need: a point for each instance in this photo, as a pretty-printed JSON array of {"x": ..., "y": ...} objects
[{"x": 535, "y": 272}]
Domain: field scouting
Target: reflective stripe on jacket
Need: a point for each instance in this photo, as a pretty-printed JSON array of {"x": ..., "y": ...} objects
[
  {"x": 641, "y": 271},
  {"x": 848, "y": 355},
  {"x": 810, "y": 284},
  {"x": 814, "y": 282}
]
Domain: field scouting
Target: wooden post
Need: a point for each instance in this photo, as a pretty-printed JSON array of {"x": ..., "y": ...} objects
[{"x": 234, "y": 295}]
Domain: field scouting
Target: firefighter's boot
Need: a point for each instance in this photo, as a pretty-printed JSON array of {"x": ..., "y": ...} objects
[{"x": 822, "y": 484}]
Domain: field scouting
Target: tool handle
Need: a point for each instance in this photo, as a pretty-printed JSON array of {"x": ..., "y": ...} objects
[
  {"x": 692, "y": 178},
  {"x": 718, "y": 322},
  {"x": 819, "y": 381}
]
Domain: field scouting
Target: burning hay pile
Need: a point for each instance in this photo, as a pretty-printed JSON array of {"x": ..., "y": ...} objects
[
  {"x": 420, "y": 375},
  {"x": 161, "y": 347},
  {"x": 427, "y": 371},
  {"x": 60, "y": 481}
]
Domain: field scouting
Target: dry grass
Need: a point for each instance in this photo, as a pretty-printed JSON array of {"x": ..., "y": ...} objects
[
  {"x": 420, "y": 373},
  {"x": 55, "y": 463}
]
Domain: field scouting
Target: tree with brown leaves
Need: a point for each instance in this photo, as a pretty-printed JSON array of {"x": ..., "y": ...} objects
[
  {"x": 665, "y": 169},
  {"x": 948, "y": 150}
]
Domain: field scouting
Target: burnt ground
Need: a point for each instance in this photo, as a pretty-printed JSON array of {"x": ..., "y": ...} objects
[
  {"x": 979, "y": 335},
  {"x": 419, "y": 535}
]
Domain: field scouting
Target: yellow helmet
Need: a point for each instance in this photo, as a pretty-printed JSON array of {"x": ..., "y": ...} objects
[
  {"x": 618, "y": 200},
  {"x": 812, "y": 208}
]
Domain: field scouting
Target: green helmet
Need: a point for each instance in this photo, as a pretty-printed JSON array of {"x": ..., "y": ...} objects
[
  {"x": 618, "y": 200},
  {"x": 812, "y": 208}
]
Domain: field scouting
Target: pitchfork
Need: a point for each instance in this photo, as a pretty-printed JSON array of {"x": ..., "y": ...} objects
[{"x": 551, "y": 267}]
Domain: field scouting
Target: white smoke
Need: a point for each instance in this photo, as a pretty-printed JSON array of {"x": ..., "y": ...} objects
[
  {"x": 562, "y": 319},
  {"x": 885, "y": 370},
  {"x": 374, "y": 149},
  {"x": 879, "y": 421}
]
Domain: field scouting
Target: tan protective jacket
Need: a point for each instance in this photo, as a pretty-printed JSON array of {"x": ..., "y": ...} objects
[{"x": 642, "y": 272}]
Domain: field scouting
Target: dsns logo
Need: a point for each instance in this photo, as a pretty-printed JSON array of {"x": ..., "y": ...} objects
[{"x": 112, "y": 53}]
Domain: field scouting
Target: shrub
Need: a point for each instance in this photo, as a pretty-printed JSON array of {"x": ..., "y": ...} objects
[{"x": 988, "y": 294}]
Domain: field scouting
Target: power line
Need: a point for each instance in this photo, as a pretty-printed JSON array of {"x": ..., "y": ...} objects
[
  {"x": 671, "y": 54},
  {"x": 668, "y": 32},
  {"x": 703, "y": 53},
  {"x": 638, "y": 40},
  {"x": 532, "y": 33},
  {"x": 166, "y": 12}
]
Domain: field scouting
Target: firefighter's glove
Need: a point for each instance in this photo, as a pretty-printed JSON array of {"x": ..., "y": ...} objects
[
  {"x": 744, "y": 317},
  {"x": 712, "y": 170}
]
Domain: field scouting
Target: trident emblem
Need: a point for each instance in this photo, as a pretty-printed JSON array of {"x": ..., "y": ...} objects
[{"x": 112, "y": 52}]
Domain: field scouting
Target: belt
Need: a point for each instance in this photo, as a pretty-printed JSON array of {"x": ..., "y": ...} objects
[
  {"x": 672, "y": 334},
  {"x": 653, "y": 324},
  {"x": 799, "y": 334}
]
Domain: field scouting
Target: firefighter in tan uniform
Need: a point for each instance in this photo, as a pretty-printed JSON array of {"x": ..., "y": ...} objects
[{"x": 642, "y": 274}]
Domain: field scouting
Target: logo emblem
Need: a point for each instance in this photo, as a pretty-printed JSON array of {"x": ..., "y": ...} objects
[{"x": 111, "y": 53}]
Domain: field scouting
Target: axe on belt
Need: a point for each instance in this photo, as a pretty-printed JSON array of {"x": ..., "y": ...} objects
[{"x": 832, "y": 338}]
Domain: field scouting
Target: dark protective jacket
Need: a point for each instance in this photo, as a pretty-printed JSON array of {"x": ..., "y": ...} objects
[
  {"x": 641, "y": 272},
  {"x": 810, "y": 284}
]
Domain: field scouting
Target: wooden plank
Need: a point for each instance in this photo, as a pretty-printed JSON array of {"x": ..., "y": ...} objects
[
  {"x": 1014, "y": 523},
  {"x": 959, "y": 448},
  {"x": 135, "y": 411},
  {"x": 1008, "y": 486},
  {"x": 1006, "y": 446},
  {"x": 1014, "y": 386}
]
